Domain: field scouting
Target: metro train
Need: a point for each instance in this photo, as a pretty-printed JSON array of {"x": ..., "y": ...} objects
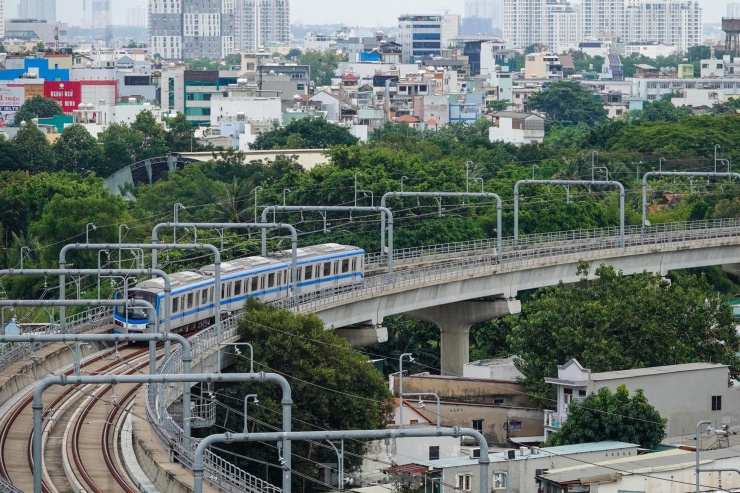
[{"x": 266, "y": 278}]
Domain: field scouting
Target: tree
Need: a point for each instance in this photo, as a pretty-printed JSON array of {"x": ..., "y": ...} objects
[
  {"x": 33, "y": 151},
  {"x": 77, "y": 151},
  {"x": 293, "y": 53},
  {"x": 568, "y": 104},
  {"x": 660, "y": 110},
  {"x": 233, "y": 59},
  {"x": 617, "y": 322},
  {"x": 333, "y": 386},
  {"x": 153, "y": 143},
  {"x": 323, "y": 65},
  {"x": 37, "y": 107},
  {"x": 179, "y": 138},
  {"x": 121, "y": 147},
  {"x": 307, "y": 133},
  {"x": 606, "y": 416},
  {"x": 498, "y": 105},
  {"x": 203, "y": 64}
]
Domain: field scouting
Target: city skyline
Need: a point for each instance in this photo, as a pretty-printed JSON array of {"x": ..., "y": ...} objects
[{"x": 337, "y": 11}]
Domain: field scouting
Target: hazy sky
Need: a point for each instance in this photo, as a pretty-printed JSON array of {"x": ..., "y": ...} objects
[{"x": 350, "y": 12}]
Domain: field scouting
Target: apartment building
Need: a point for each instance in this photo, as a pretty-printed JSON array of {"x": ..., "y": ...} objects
[
  {"x": 45, "y": 10},
  {"x": 563, "y": 26},
  {"x": 673, "y": 22},
  {"x": 188, "y": 29},
  {"x": 260, "y": 23},
  {"x": 524, "y": 22},
  {"x": 423, "y": 36}
]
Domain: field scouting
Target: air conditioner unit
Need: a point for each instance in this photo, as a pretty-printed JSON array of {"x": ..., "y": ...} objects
[
  {"x": 540, "y": 472},
  {"x": 511, "y": 454},
  {"x": 474, "y": 453},
  {"x": 535, "y": 450}
]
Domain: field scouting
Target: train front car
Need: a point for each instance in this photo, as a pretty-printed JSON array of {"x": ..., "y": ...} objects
[{"x": 134, "y": 320}]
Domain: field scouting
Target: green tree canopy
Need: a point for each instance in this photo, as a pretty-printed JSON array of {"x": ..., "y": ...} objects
[
  {"x": 306, "y": 133},
  {"x": 77, "y": 151},
  {"x": 180, "y": 135},
  {"x": 153, "y": 142},
  {"x": 567, "y": 103},
  {"x": 606, "y": 416},
  {"x": 33, "y": 150},
  {"x": 333, "y": 386},
  {"x": 37, "y": 107},
  {"x": 618, "y": 322},
  {"x": 660, "y": 110},
  {"x": 323, "y": 65},
  {"x": 121, "y": 146}
]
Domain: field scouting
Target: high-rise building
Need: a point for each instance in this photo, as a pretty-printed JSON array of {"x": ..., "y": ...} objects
[
  {"x": 733, "y": 10},
  {"x": 44, "y": 10},
  {"x": 136, "y": 16},
  {"x": 423, "y": 36},
  {"x": 603, "y": 18},
  {"x": 260, "y": 23},
  {"x": 672, "y": 22},
  {"x": 524, "y": 22},
  {"x": 2, "y": 19},
  {"x": 188, "y": 29},
  {"x": 482, "y": 17},
  {"x": 563, "y": 26}
]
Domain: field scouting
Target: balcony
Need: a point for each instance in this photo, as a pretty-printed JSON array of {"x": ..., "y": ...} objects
[{"x": 553, "y": 419}]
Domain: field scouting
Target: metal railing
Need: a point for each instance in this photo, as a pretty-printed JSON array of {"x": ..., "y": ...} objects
[
  {"x": 479, "y": 257},
  {"x": 10, "y": 353},
  {"x": 219, "y": 471}
]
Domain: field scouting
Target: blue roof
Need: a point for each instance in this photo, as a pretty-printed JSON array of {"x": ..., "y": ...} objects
[{"x": 562, "y": 450}]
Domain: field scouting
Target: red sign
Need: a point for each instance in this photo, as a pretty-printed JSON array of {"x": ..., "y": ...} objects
[{"x": 68, "y": 94}]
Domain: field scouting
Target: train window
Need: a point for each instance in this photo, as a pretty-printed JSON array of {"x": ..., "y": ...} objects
[
  {"x": 354, "y": 264},
  {"x": 280, "y": 278},
  {"x": 345, "y": 265},
  {"x": 237, "y": 288},
  {"x": 228, "y": 290},
  {"x": 190, "y": 300},
  {"x": 336, "y": 266},
  {"x": 300, "y": 274},
  {"x": 327, "y": 269},
  {"x": 204, "y": 297},
  {"x": 223, "y": 291},
  {"x": 175, "y": 305},
  {"x": 270, "y": 280},
  {"x": 254, "y": 284},
  {"x": 210, "y": 295},
  {"x": 262, "y": 282},
  {"x": 309, "y": 272}
]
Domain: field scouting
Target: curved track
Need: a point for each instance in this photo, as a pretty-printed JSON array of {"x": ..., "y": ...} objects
[{"x": 17, "y": 426}]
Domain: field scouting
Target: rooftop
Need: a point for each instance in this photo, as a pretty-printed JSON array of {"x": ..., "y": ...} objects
[{"x": 655, "y": 370}]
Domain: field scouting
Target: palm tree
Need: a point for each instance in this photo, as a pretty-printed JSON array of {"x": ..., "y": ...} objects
[{"x": 235, "y": 205}]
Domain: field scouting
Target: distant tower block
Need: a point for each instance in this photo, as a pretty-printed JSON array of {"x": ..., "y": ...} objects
[{"x": 731, "y": 27}]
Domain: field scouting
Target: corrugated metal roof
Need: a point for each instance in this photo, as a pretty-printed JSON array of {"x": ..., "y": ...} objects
[{"x": 655, "y": 370}]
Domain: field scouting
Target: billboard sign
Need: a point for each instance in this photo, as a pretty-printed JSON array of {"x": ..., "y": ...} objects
[
  {"x": 12, "y": 96},
  {"x": 68, "y": 94}
]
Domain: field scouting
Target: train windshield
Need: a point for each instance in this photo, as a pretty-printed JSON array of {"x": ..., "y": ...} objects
[{"x": 140, "y": 313}]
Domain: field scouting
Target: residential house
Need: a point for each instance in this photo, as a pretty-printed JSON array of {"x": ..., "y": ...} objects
[
  {"x": 517, "y": 128},
  {"x": 712, "y": 395}
]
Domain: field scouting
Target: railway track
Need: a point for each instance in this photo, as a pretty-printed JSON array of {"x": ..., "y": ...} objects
[{"x": 73, "y": 434}]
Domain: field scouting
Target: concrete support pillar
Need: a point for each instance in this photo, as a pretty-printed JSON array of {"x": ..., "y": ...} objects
[{"x": 454, "y": 321}]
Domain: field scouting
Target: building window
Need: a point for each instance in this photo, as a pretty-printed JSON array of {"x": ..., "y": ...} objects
[
  {"x": 478, "y": 424},
  {"x": 716, "y": 403},
  {"x": 434, "y": 452},
  {"x": 464, "y": 482},
  {"x": 515, "y": 426},
  {"x": 499, "y": 480}
]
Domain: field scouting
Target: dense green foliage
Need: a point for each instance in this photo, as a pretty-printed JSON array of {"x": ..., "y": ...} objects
[
  {"x": 323, "y": 65},
  {"x": 306, "y": 133},
  {"x": 616, "y": 322},
  {"x": 37, "y": 107},
  {"x": 606, "y": 416},
  {"x": 337, "y": 388},
  {"x": 568, "y": 103}
]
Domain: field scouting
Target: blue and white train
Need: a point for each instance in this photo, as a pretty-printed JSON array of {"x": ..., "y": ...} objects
[{"x": 266, "y": 278}]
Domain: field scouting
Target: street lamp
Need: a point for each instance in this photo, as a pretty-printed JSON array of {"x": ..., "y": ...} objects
[
  {"x": 716, "y": 146},
  {"x": 477, "y": 180},
  {"x": 467, "y": 174},
  {"x": 400, "y": 386},
  {"x": 24, "y": 249},
  {"x": 120, "y": 240},
  {"x": 285, "y": 190},
  {"x": 534, "y": 167},
  {"x": 87, "y": 231},
  {"x": 175, "y": 218},
  {"x": 404, "y": 177},
  {"x": 356, "y": 175},
  {"x": 660, "y": 163},
  {"x": 246, "y": 400},
  {"x": 256, "y": 191},
  {"x": 593, "y": 164}
]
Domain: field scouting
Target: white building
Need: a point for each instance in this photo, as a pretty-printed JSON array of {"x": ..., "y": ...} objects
[
  {"x": 564, "y": 27},
  {"x": 422, "y": 36},
  {"x": 603, "y": 18},
  {"x": 96, "y": 118},
  {"x": 136, "y": 16},
  {"x": 672, "y": 22},
  {"x": 2, "y": 18},
  {"x": 649, "y": 49},
  {"x": 494, "y": 369},
  {"x": 712, "y": 68},
  {"x": 524, "y": 22},
  {"x": 260, "y": 23},
  {"x": 238, "y": 107},
  {"x": 45, "y": 10},
  {"x": 517, "y": 128},
  {"x": 319, "y": 42},
  {"x": 665, "y": 387}
]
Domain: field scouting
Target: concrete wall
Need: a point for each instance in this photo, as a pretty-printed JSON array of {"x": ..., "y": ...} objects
[
  {"x": 308, "y": 158},
  {"x": 667, "y": 393},
  {"x": 496, "y": 420},
  {"x": 482, "y": 391}
]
